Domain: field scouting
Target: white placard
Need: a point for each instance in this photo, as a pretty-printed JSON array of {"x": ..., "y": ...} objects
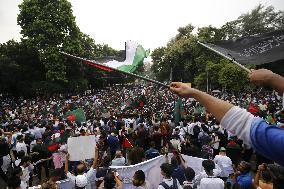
[{"x": 81, "y": 148}]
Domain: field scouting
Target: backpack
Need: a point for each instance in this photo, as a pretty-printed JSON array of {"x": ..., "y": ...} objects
[{"x": 174, "y": 186}]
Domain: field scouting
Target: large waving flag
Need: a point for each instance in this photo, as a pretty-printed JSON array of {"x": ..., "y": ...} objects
[
  {"x": 256, "y": 49},
  {"x": 135, "y": 55}
]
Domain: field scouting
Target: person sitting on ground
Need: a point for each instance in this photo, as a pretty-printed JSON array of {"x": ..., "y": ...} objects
[
  {"x": 139, "y": 181},
  {"x": 168, "y": 181},
  {"x": 254, "y": 131},
  {"x": 82, "y": 180},
  {"x": 118, "y": 160},
  {"x": 152, "y": 152},
  {"x": 189, "y": 176}
]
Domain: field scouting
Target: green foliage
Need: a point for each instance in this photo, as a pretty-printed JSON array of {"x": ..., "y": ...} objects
[
  {"x": 194, "y": 63},
  {"x": 232, "y": 77},
  {"x": 49, "y": 26},
  {"x": 259, "y": 20}
]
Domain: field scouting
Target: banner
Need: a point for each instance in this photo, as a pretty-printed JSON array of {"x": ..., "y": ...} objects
[
  {"x": 150, "y": 167},
  {"x": 257, "y": 49},
  {"x": 81, "y": 148}
]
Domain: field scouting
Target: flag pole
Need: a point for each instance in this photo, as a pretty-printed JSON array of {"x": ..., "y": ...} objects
[
  {"x": 225, "y": 56},
  {"x": 110, "y": 68}
]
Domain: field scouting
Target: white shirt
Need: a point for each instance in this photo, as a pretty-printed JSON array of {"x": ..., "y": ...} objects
[
  {"x": 25, "y": 177},
  {"x": 21, "y": 146},
  {"x": 90, "y": 175},
  {"x": 169, "y": 182},
  {"x": 211, "y": 183},
  {"x": 225, "y": 164}
]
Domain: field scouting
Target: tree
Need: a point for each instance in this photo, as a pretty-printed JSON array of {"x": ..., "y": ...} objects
[
  {"x": 49, "y": 26},
  {"x": 260, "y": 20},
  {"x": 232, "y": 77}
]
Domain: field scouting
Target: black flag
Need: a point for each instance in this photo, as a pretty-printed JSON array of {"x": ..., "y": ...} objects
[{"x": 257, "y": 49}]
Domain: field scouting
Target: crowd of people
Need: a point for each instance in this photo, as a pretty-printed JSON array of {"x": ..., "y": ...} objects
[{"x": 34, "y": 134}]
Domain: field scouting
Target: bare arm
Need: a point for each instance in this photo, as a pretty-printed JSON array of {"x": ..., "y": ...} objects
[
  {"x": 214, "y": 105},
  {"x": 264, "y": 77},
  {"x": 95, "y": 158},
  {"x": 66, "y": 164}
]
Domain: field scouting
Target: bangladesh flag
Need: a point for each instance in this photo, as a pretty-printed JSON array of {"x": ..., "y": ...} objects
[
  {"x": 77, "y": 115},
  {"x": 134, "y": 56}
]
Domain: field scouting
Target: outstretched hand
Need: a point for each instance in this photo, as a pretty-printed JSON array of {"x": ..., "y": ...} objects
[
  {"x": 260, "y": 77},
  {"x": 182, "y": 89}
]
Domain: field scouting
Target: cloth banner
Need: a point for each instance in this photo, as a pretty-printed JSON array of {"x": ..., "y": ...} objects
[
  {"x": 150, "y": 167},
  {"x": 81, "y": 148},
  {"x": 257, "y": 49}
]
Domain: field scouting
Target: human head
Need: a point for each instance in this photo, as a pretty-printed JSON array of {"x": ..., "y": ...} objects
[
  {"x": 20, "y": 154},
  {"x": 244, "y": 167},
  {"x": 81, "y": 168},
  {"x": 174, "y": 162},
  {"x": 208, "y": 165},
  {"x": 39, "y": 140},
  {"x": 118, "y": 154},
  {"x": 189, "y": 173},
  {"x": 17, "y": 172},
  {"x": 55, "y": 175},
  {"x": 26, "y": 161},
  {"x": 14, "y": 182},
  {"x": 277, "y": 173},
  {"x": 166, "y": 170},
  {"x": 109, "y": 181},
  {"x": 49, "y": 185},
  {"x": 222, "y": 150},
  {"x": 138, "y": 178}
]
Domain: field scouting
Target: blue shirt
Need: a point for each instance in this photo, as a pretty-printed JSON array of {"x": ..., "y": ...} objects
[
  {"x": 178, "y": 173},
  {"x": 268, "y": 140},
  {"x": 245, "y": 181},
  {"x": 152, "y": 153}
]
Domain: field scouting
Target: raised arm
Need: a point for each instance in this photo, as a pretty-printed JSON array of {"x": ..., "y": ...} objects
[
  {"x": 96, "y": 158},
  {"x": 66, "y": 164},
  {"x": 264, "y": 77},
  {"x": 214, "y": 105}
]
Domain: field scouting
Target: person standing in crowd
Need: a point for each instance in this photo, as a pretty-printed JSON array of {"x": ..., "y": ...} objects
[
  {"x": 209, "y": 181},
  {"x": 40, "y": 158},
  {"x": 82, "y": 180},
  {"x": 242, "y": 176},
  {"x": 179, "y": 166},
  {"x": 263, "y": 178},
  {"x": 189, "y": 176},
  {"x": 26, "y": 167},
  {"x": 139, "y": 180},
  {"x": 118, "y": 160},
  {"x": 113, "y": 143},
  {"x": 111, "y": 181},
  {"x": 225, "y": 164},
  {"x": 152, "y": 152},
  {"x": 168, "y": 181}
]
